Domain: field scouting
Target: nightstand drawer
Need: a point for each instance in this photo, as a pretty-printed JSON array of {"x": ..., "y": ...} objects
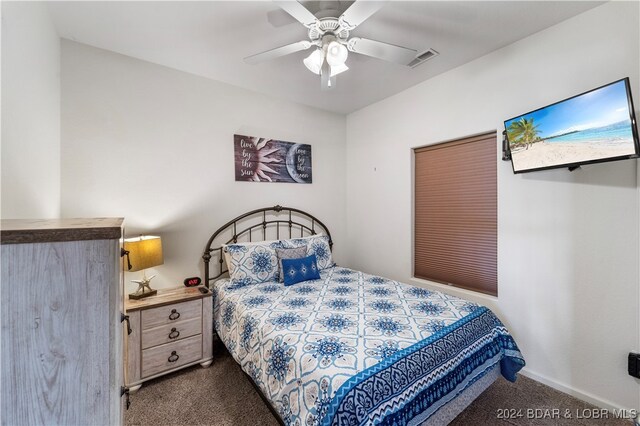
[
  {"x": 171, "y": 313},
  {"x": 171, "y": 355},
  {"x": 171, "y": 332}
]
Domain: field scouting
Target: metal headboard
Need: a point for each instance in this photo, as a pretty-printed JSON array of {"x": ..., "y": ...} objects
[{"x": 297, "y": 221}]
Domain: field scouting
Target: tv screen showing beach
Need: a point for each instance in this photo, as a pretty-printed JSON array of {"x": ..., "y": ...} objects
[{"x": 591, "y": 127}]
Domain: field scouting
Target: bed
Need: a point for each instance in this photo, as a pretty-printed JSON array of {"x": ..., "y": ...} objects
[{"x": 350, "y": 347}]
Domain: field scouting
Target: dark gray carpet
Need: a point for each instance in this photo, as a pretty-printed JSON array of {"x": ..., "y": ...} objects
[{"x": 222, "y": 395}]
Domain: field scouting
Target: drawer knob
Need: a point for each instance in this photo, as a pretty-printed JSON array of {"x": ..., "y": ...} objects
[
  {"x": 174, "y": 334},
  {"x": 173, "y": 357},
  {"x": 174, "y": 315}
]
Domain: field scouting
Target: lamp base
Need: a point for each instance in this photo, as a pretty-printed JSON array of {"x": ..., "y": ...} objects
[
  {"x": 143, "y": 288},
  {"x": 138, "y": 296}
]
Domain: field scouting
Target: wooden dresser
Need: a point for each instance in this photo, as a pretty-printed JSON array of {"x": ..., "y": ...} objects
[
  {"x": 62, "y": 339},
  {"x": 169, "y": 331}
]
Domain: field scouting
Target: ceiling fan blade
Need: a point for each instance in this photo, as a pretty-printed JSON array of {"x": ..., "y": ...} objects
[
  {"x": 358, "y": 12},
  {"x": 377, "y": 49},
  {"x": 298, "y": 11},
  {"x": 277, "y": 52}
]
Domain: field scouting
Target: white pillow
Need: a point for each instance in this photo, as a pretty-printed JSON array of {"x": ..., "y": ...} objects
[
  {"x": 227, "y": 258},
  {"x": 252, "y": 262},
  {"x": 316, "y": 244}
]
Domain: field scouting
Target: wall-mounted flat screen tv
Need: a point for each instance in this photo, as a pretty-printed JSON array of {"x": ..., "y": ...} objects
[{"x": 595, "y": 126}]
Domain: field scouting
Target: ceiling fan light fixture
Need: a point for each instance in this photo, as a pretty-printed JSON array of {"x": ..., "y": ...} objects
[
  {"x": 331, "y": 36},
  {"x": 336, "y": 53},
  {"x": 314, "y": 61},
  {"x": 337, "y": 69}
]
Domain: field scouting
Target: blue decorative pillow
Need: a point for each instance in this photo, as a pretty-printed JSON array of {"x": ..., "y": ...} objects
[
  {"x": 298, "y": 270},
  {"x": 317, "y": 245},
  {"x": 252, "y": 263}
]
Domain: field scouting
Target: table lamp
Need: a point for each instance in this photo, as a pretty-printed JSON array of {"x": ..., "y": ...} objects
[{"x": 143, "y": 252}]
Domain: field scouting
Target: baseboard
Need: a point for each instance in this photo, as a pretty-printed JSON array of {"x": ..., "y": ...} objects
[{"x": 584, "y": 396}]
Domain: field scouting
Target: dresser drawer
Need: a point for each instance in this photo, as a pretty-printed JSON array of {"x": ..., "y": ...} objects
[
  {"x": 169, "y": 314},
  {"x": 171, "y": 332},
  {"x": 171, "y": 355}
]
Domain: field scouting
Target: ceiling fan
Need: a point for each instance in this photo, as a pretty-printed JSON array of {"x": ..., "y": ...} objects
[{"x": 330, "y": 37}]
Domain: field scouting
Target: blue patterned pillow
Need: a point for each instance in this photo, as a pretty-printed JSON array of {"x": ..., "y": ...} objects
[
  {"x": 298, "y": 270},
  {"x": 317, "y": 245},
  {"x": 255, "y": 262}
]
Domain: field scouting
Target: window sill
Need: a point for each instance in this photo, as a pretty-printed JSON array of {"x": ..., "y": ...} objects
[{"x": 482, "y": 298}]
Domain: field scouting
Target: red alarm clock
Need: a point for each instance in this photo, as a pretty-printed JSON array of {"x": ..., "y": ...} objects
[{"x": 192, "y": 282}]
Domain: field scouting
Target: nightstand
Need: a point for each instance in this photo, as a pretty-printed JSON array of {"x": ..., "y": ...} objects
[{"x": 169, "y": 331}]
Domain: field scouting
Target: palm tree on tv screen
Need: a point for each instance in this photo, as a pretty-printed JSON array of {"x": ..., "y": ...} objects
[{"x": 523, "y": 131}]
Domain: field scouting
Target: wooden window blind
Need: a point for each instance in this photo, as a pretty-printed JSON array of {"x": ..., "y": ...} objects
[{"x": 456, "y": 207}]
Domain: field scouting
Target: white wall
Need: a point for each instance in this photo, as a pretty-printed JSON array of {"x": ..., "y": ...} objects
[
  {"x": 155, "y": 145},
  {"x": 568, "y": 242},
  {"x": 30, "y": 112}
]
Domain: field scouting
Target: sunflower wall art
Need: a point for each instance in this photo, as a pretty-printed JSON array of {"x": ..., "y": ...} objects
[{"x": 270, "y": 160}]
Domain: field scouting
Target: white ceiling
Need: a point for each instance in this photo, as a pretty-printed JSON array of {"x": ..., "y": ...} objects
[{"x": 210, "y": 39}]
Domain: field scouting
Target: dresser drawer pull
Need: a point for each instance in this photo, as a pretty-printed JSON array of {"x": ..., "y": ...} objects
[
  {"x": 174, "y": 334},
  {"x": 174, "y": 315},
  {"x": 173, "y": 357}
]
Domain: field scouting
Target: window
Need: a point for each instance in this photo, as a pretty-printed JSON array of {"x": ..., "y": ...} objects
[{"x": 456, "y": 203}]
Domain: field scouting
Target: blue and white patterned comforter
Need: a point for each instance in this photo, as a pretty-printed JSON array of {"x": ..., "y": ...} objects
[{"x": 353, "y": 348}]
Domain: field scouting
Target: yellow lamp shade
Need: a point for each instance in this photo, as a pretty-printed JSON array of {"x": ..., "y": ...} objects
[{"x": 144, "y": 252}]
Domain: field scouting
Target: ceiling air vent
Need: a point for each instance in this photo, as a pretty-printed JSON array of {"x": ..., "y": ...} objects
[{"x": 423, "y": 57}]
